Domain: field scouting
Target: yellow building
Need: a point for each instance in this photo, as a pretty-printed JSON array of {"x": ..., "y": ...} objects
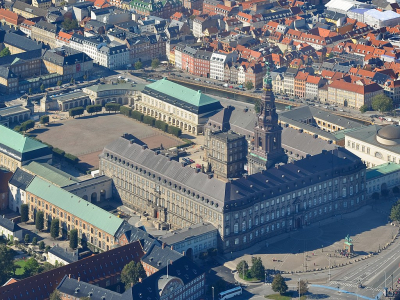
[{"x": 45, "y": 4}]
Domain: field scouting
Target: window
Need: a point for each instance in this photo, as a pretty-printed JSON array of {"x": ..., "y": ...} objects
[
  {"x": 236, "y": 228},
  {"x": 344, "y": 192}
]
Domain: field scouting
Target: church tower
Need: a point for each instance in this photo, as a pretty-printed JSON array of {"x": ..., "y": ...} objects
[{"x": 267, "y": 133}]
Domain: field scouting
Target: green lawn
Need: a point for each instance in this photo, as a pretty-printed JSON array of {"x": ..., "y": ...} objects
[
  {"x": 248, "y": 278},
  {"x": 20, "y": 267}
]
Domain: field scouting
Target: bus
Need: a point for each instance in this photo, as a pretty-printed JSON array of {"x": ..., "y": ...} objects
[{"x": 230, "y": 293}]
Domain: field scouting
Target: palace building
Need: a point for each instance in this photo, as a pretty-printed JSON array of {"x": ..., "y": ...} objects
[
  {"x": 177, "y": 105},
  {"x": 245, "y": 211}
]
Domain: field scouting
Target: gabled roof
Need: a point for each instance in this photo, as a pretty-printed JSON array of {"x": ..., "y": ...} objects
[
  {"x": 182, "y": 93},
  {"x": 21, "y": 179},
  {"x": 50, "y": 173},
  {"x": 75, "y": 205},
  {"x": 17, "y": 142}
]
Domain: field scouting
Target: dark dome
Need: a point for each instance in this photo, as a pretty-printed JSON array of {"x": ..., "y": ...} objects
[{"x": 390, "y": 132}]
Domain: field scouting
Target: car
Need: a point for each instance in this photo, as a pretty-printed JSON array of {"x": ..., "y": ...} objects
[
  {"x": 187, "y": 77},
  {"x": 208, "y": 81},
  {"x": 177, "y": 75},
  {"x": 191, "y": 160},
  {"x": 197, "y": 79}
]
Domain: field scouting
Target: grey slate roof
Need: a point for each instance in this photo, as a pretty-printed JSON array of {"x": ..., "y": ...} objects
[
  {"x": 47, "y": 26},
  {"x": 30, "y": 8},
  {"x": 21, "y": 42},
  {"x": 303, "y": 143},
  {"x": 170, "y": 173},
  {"x": 64, "y": 254},
  {"x": 11, "y": 110},
  {"x": 303, "y": 113},
  {"x": 158, "y": 257},
  {"x": 80, "y": 289},
  {"x": 8, "y": 224},
  {"x": 185, "y": 233},
  {"x": 21, "y": 179},
  {"x": 133, "y": 233}
]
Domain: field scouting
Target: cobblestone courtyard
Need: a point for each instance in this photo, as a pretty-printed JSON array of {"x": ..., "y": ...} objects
[
  {"x": 86, "y": 137},
  {"x": 316, "y": 247}
]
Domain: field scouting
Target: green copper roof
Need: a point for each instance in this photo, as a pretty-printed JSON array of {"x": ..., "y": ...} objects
[
  {"x": 172, "y": 89},
  {"x": 50, "y": 173},
  {"x": 75, "y": 205},
  {"x": 255, "y": 155},
  {"x": 18, "y": 142},
  {"x": 382, "y": 170}
]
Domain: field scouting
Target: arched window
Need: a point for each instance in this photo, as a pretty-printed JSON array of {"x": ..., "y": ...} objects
[
  {"x": 236, "y": 228},
  {"x": 244, "y": 226},
  {"x": 344, "y": 192}
]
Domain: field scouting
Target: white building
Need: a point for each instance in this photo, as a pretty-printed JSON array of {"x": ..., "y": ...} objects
[
  {"x": 9, "y": 229},
  {"x": 343, "y": 6},
  {"x": 217, "y": 64},
  {"x": 383, "y": 177},
  {"x": 64, "y": 256},
  {"x": 111, "y": 56},
  {"x": 374, "y": 144},
  {"x": 379, "y": 19},
  {"x": 193, "y": 240}
]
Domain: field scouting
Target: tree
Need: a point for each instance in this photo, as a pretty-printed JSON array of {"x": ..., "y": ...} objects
[
  {"x": 382, "y": 103},
  {"x": 69, "y": 24},
  {"x": 55, "y": 295},
  {"x": 27, "y": 238},
  {"x": 257, "y": 269},
  {"x": 73, "y": 239},
  {"x": 242, "y": 268},
  {"x": 279, "y": 285},
  {"x": 6, "y": 263},
  {"x": 59, "y": 83},
  {"x": 363, "y": 108},
  {"x": 249, "y": 85},
  {"x": 303, "y": 287},
  {"x": 41, "y": 245},
  {"x": 27, "y": 125},
  {"x": 42, "y": 87},
  {"x": 24, "y": 213},
  {"x": 174, "y": 130},
  {"x": 72, "y": 80},
  {"x": 131, "y": 273},
  {"x": 34, "y": 241},
  {"x": 47, "y": 248},
  {"x": 85, "y": 77},
  {"x": 44, "y": 119},
  {"x": 31, "y": 267},
  {"x": 257, "y": 105},
  {"x": 5, "y": 52},
  {"x": 30, "y": 91},
  {"x": 125, "y": 110},
  {"x": 39, "y": 220},
  {"x": 395, "y": 212},
  {"x": 138, "y": 65},
  {"x": 55, "y": 228},
  {"x": 155, "y": 63}
]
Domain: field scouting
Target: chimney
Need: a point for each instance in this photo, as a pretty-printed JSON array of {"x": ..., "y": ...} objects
[
  {"x": 140, "y": 280},
  {"x": 183, "y": 253},
  {"x": 172, "y": 247},
  {"x": 132, "y": 283},
  {"x": 69, "y": 276},
  {"x": 79, "y": 279},
  {"x": 163, "y": 246}
]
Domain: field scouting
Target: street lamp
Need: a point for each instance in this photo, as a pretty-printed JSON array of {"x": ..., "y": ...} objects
[
  {"x": 299, "y": 288},
  {"x": 213, "y": 292}
]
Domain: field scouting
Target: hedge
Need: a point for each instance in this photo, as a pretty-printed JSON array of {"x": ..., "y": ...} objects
[
  {"x": 71, "y": 158},
  {"x": 161, "y": 125},
  {"x": 94, "y": 108},
  {"x": 137, "y": 115},
  {"x": 58, "y": 151},
  {"x": 149, "y": 120},
  {"x": 112, "y": 107},
  {"x": 125, "y": 110},
  {"x": 174, "y": 130},
  {"x": 77, "y": 111}
]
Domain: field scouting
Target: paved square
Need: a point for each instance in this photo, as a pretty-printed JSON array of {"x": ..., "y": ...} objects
[
  {"x": 315, "y": 247},
  {"x": 86, "y": 137}
]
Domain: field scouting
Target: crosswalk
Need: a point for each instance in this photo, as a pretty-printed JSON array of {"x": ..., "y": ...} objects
[{"x": 342, "y": 284}]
